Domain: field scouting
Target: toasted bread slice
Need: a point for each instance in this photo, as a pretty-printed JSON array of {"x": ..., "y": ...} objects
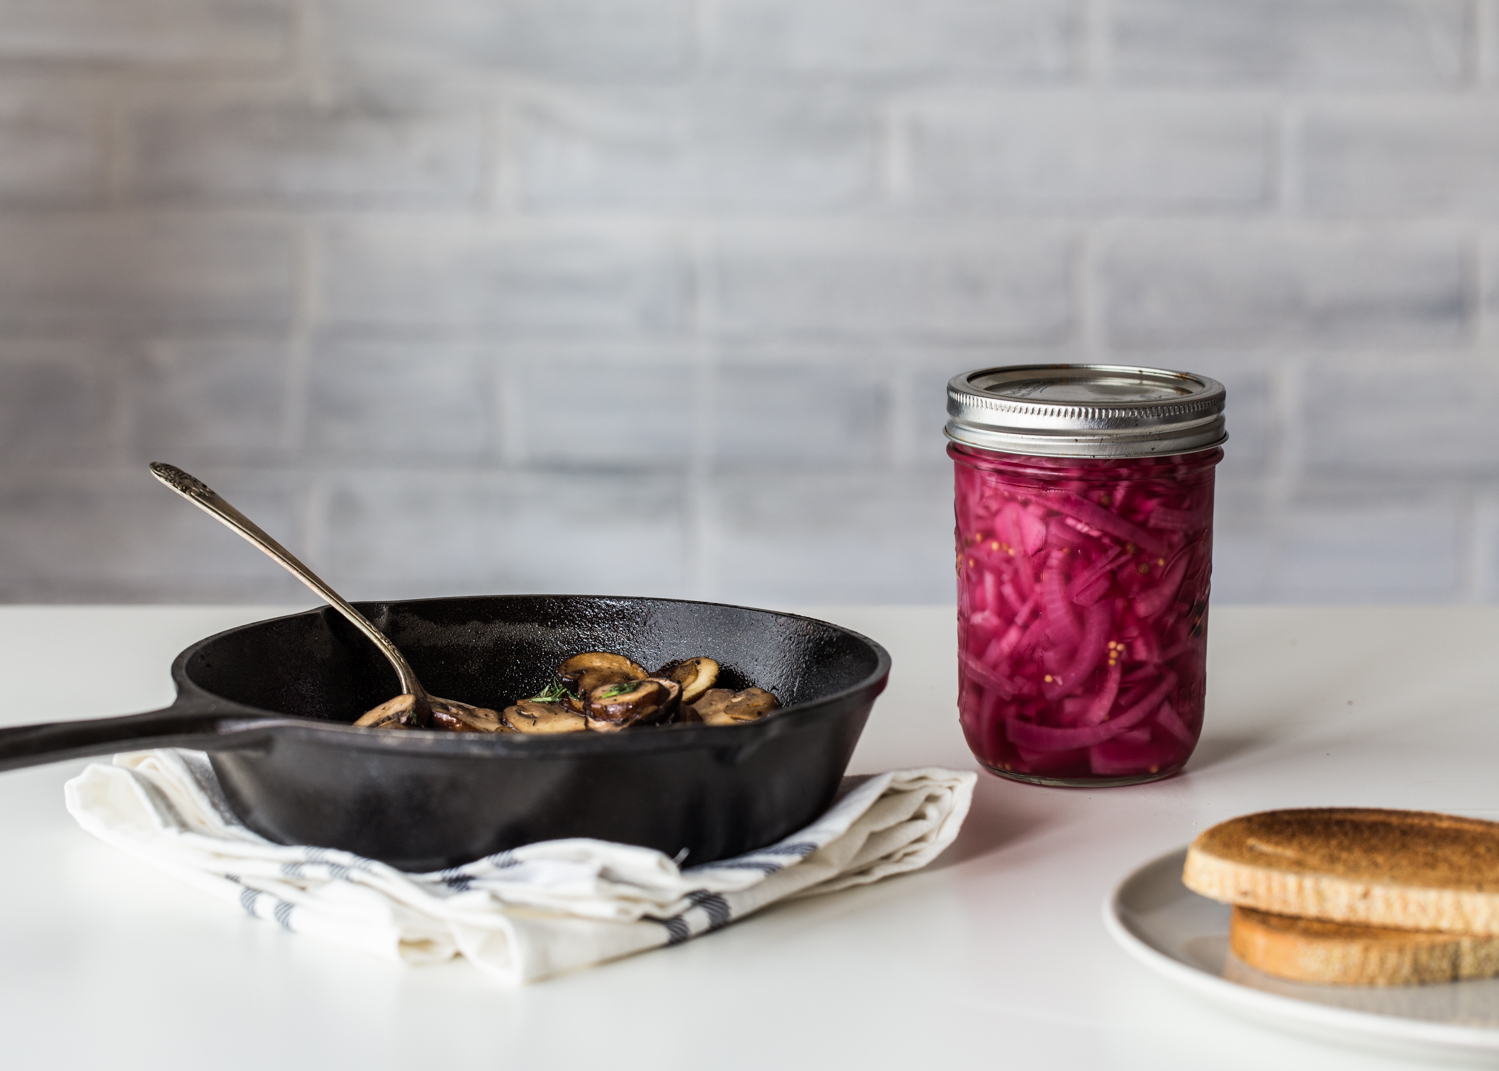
[
  {"x": 1335, "y": 953},
  {"x": 1407, "y": 870}
]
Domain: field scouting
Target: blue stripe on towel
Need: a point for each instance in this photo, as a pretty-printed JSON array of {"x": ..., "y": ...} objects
[
  {"x": 801, "y": 849},
  {"x": 677, "y": 929},
  {"x": 716, "y": 906},
  {"x": 748, "y": 861},
  {"x": 747, "y": 864},
  {"x": 283, "y": 914}
]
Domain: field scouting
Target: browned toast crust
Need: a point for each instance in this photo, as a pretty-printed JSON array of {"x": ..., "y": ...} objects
[
  {"x": 1331, "y": 953},
  {"x": 1410, "y": 870}
]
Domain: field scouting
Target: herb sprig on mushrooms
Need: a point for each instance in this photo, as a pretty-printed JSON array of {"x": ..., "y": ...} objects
[{"x": 554, "y": 692}]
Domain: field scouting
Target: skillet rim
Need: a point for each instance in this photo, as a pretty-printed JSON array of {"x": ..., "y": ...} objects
[{"x": 511, "y": 745}]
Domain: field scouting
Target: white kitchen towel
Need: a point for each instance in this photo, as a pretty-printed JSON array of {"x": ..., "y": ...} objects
[{"x": 523, "y": 914}]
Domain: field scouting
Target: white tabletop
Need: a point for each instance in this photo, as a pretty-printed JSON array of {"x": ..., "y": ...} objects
[{"x": 995, "y": 956}]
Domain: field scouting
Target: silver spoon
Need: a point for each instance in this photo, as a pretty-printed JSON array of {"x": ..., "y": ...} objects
[{"x": 205, "y": 498}]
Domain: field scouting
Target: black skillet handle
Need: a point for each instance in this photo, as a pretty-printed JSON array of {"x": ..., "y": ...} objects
[{"x": 54, "y": 741}]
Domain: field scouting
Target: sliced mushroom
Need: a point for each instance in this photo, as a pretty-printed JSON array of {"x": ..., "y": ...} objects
[
  {"x": 577, "y": 699},
  {"x": 722, "y": 706},
  {"x": 462, "y": 718},
  {"x": 446, "y": 714},
  {"x": 645, "y": 702},
  {"x": 529, "y": 716},
  {"x": 391, "y": 714},
  {"x": 695, "y": 675},
  {"x": 574, "y": 668},
  {"x": 582, "y": 673}
]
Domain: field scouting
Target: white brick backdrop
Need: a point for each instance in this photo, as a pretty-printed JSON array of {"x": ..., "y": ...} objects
[{"x": 660, "y": 296}]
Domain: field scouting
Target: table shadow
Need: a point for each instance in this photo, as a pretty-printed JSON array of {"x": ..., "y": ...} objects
[
  {"x": 994, "y": 821},
  {"x": 1218, "y": 750}
]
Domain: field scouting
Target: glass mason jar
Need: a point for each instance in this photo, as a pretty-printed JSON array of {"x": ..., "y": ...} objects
[{"x": 1084, "y": 501}]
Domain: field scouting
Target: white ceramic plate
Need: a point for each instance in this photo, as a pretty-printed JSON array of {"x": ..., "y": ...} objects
[{"x": 1184, "y": 937}]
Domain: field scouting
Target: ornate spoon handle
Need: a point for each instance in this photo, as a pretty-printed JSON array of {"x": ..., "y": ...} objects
[{"x": 211, "y": 502}]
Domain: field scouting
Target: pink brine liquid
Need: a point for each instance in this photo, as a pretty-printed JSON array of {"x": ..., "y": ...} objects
[{"x": 1082, "y": 612}]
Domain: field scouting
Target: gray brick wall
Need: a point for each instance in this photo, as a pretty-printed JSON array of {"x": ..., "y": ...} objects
[{"x": 660, "y": 296}]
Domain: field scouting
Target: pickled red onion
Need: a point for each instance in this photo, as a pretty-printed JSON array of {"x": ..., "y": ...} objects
[{"x": 1084, "y": 593}]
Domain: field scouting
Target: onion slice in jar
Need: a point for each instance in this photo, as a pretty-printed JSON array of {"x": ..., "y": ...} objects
[
  {"x": 999, "y": 650},
  {"x": 1074, "y": 505},
  {"x": 1103, "y": 702},
  {"x": 1061, "y": 623},
  {"x": 1098, "y": 620},
  {"x": 1179, "y": 520},
  {"x": 986, "y": 676},
  {"x": 1166, "y": 718},
  {"x": 1153, "y": 600},
  {"x": 1047, "y": 738}
]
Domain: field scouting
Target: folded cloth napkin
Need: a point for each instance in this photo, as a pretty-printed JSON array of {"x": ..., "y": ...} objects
[{"x": 522, "y": 914}]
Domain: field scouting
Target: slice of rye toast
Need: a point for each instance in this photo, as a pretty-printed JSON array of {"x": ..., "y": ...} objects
[
  {"x": 1336, "y": 953},
  {"x": 1407, "y": 870}
]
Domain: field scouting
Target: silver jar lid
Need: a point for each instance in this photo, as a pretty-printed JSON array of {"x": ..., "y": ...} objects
[{"x": 1085, "y": 410}]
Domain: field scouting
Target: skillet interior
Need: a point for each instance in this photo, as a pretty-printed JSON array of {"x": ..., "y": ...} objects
[
  {"x": 490, "y": 651},
  {"x": 423, "y": 801}
]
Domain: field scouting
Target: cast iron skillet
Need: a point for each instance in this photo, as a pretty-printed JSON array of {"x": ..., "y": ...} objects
[{"x": 272, "y": 703}]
